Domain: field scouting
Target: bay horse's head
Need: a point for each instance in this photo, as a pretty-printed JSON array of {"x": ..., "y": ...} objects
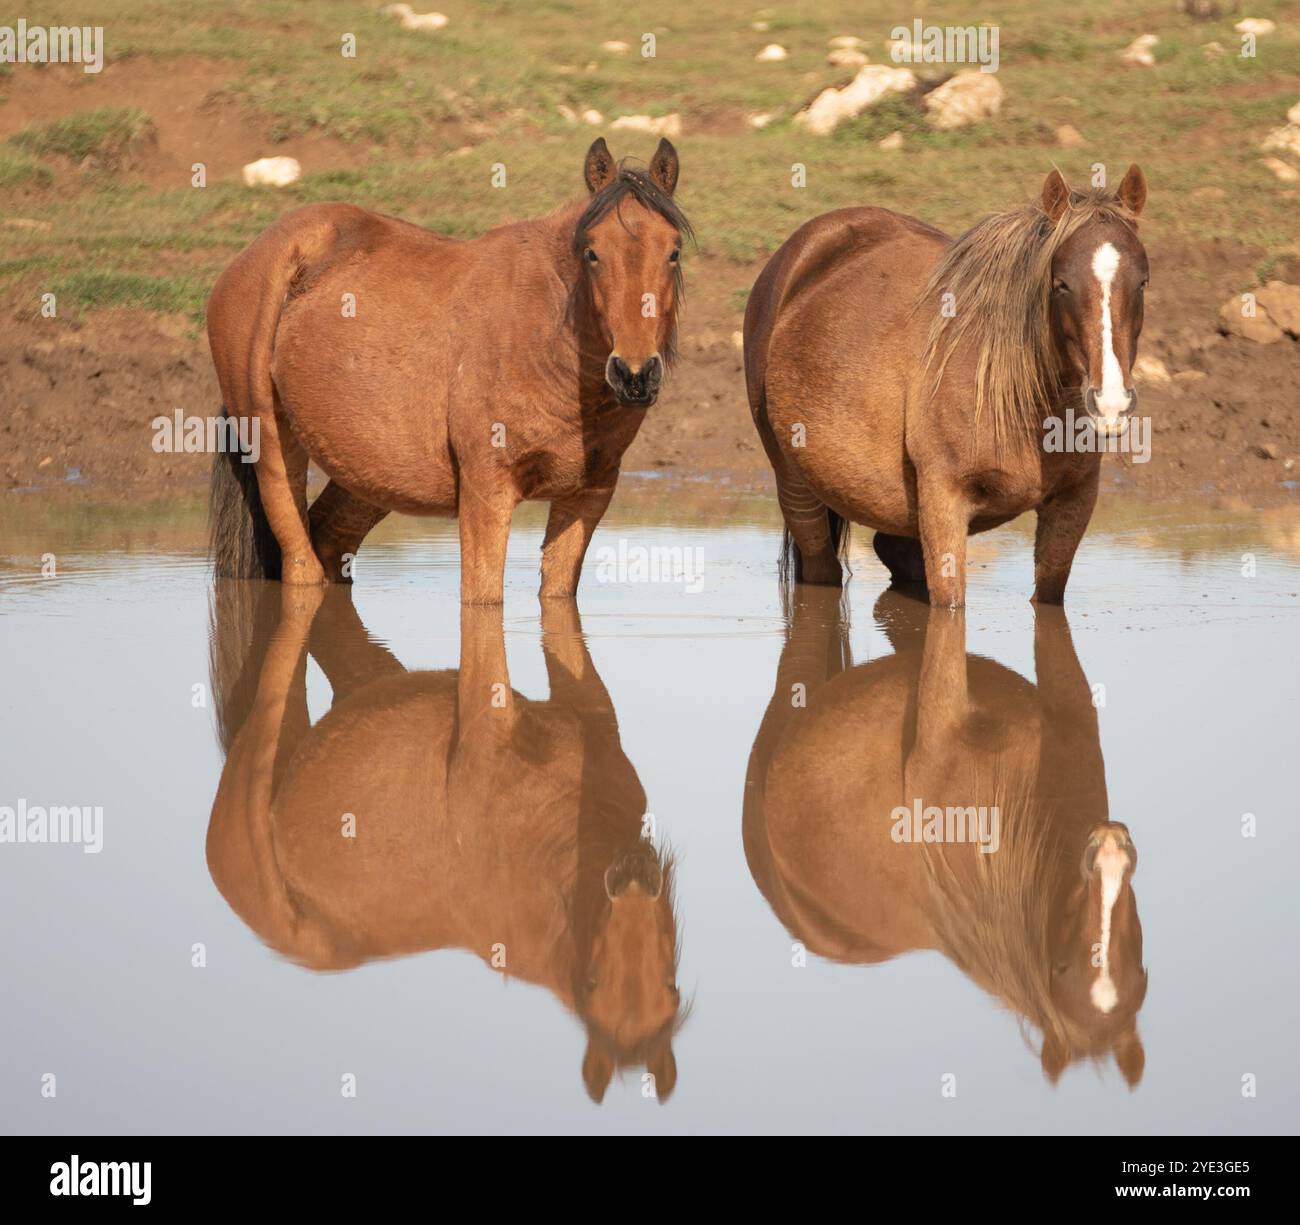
[
  {"x": 1098, "y": 275},
  {"x": 630, "y": 1001},
  {"x": 629, "y": 242},
  {"x": 1098, "y": 981}
]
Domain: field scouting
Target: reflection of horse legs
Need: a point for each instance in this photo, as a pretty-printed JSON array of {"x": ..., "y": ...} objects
[
  {"x": 346, "y": 653},
  {"x": 340, "y": 521},
  {"x": 902, "y": 557}
]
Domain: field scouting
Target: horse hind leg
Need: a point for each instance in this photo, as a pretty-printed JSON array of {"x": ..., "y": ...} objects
[
  {"x": 903, "y": 557},
  {"x": 814, "y": 534},
  {"x": 339, "y": 522}
]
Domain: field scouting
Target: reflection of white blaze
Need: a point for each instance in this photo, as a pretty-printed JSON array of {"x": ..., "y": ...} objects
[
  {"x": 1112, "y": 399},
  {"x": 1112, "y": 861}
]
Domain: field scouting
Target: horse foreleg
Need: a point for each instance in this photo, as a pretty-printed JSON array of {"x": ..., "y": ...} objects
[
  {"x": 282, "y": 484},
  {"x": 340, "y": 521},
  {"x": 484, "y": 534},
  {"x": 945, "y": 521},
  {"x": 1062, "y": 521},
  {"x": 569, "y": 529}
]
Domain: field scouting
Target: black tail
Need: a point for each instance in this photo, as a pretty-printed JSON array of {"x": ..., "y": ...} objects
[
  {"x": 240, "y": 541},
  {"x": 790, "y": 565}
]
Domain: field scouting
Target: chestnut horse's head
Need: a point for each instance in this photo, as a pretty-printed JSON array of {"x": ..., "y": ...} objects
[
  {"x": 1098, "y": 275},
  {"x": 629, "y": 242},
  {"x": 1098, "y": 981},
  {"x": 630, "y": 1001}
]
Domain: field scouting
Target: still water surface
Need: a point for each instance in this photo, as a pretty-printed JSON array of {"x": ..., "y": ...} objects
[{"x": 499, "y": 944}]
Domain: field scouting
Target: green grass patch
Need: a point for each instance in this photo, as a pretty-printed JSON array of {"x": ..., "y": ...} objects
[
  {"x": 166, "y": 294},
  {"x": 108, "y": 134},
  {"x": 19, "y": 170}
]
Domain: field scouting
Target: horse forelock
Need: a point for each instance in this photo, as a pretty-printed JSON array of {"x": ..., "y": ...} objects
[{"x": 999, "y": 273}]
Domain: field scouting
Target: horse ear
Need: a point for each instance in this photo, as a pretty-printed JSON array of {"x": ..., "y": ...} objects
[
  {"x": 598, "y": 169},
  {"x": 663, "y": 166},
  {"x": 1056, "y": 195},
  {"x": 662, "y": 1065},
  {"x": 1131, "y": 1058},
  {"x": 597, "y": 1068},
  {"x": 1133, "y": 190},
  {"x": 1054, "y": 1057}
]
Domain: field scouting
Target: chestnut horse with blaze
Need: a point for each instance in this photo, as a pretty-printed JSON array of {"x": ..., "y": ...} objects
[
  {"x": 911, "y": 382},
  {"x": 439, "y": 377}
]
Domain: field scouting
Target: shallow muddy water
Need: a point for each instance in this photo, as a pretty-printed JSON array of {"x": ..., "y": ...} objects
[{"x": 412, "y": 892}]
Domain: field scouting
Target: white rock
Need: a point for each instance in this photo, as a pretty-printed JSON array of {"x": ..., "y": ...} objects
[
  {"x": 1284, "y": 140},
  {"x": 411, "y": 20},
  {"x": 846, "y": 42},
  {"x": 1151, "y": 370},
  {"x": 272, "y": 172},
  {"x": 761, "y": 120},
  {"x": 593, "y": 117},
  {"x": 1293, "y": 115},
  {"x": 761, "y": 26},
  {"x": 966, "y": 98},
  {"x": 615, "y": 46},
  {"x": 846, "y": 57},
  {"x": 567, "y": 113},
  {"x": 771, "y": 54},
  {"x": 832, "y": 106},
  {"x": 1288, "y": 174},
  {"x": 666, "y": 125},
  {"x": 1254, "y": 25},
  {"x": 737, "y": 340},
  {"x": 1139, "y": 51},
  {"x": 891, "y": 142},
  {"x": 1068, "y": 137}
]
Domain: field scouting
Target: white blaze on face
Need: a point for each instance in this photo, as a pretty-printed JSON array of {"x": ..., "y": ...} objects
[
  {"x": 1112, "y": 398},
  {"x": 1112, "y": 861}
]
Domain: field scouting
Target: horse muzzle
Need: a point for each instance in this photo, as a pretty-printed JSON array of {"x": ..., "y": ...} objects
[
  {"x": 1109, "y": 417},
  {"x": 637, "y": 866},
  {"x": 637, "y": 388}
]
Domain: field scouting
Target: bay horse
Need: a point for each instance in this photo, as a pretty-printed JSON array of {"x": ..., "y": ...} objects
[
  {"x": 908, "y": 381},
  {"x": 482, "y": 820},
  {"x": 1044, "y": 919},
  {"x": 438, "y": 377}
]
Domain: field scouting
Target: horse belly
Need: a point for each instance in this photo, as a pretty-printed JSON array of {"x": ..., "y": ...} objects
[{"x": 366, "y": 395}]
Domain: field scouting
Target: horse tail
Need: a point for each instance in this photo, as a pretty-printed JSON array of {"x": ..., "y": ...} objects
[
  {"x": 790, "y": 563},
  {"x": 241, "y": 618},
  {"x": 240, "y": 541}
]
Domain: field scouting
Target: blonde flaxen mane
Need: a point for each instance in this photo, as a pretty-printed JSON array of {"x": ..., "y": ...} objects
[{"x": 999, "y": 274}]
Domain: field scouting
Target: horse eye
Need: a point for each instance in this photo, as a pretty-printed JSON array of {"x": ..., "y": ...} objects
[
  {"x": 1059, "y": 286},
  {"x": 590, "y": 256},
  {"x": 674, "y": 257}
]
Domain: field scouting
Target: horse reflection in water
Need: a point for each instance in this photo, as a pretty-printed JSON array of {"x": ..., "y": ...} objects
[
  {"x": 483, "y": 820},
  {"x": 1047, "y": 921}
]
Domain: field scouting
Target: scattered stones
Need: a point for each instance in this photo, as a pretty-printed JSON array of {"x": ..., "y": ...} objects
[
  {"x": 773, "y": 53},
  {"x": 615, "y": 46},
  {"x": 1237, "y": 320},
  {"x": 1293, "y": 115},
  {"x": 592, "y": 117},
  {"x": 1151, "y": 370},
  {"x": 846, "y": 57},
  {"x": 665, "y": 125},
  {"x": 1254, "y": 25},
  {"x": 1284, "y": 140},
  {"x": 272, "y": 172},
  {"x": 832, "y": 106},
  {"x": 411, "y": 20},
  {"x": 891, "y": 142},
  {"x": 1068, "y": 137},
  {"x": 846, "y": 42},
  {"x": 1288, "y": 174},
  {"x": 1282, "y": 302},
  {"x": 1138, "y": 52},
  {"x": 760, "y": 120},
  {"x": 966, "y": 98},
  {"x": 1267, "y": 450}
]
